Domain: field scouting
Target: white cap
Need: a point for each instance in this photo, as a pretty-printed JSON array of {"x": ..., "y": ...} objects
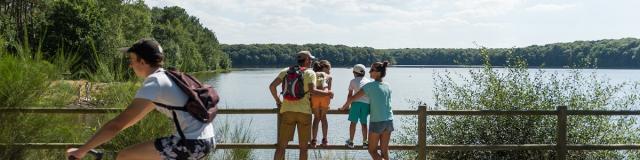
[{"x": 359, "y": 68}]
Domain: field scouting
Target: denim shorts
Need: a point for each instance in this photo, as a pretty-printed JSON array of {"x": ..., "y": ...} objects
[
  {"x": 379, "y": 127},
  {"x": 174, "y": 148}
]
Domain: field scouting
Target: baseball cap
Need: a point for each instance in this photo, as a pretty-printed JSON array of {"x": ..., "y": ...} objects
[
  {"x": 302, "y": 54},
  {"x": 359, "y": 68},
  {"x": 147, "y": 49}
]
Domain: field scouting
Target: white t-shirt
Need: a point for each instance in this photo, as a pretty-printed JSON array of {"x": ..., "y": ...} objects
[
  {"x": 157, "y": 87},
  {"x": 356, "y": 84}
]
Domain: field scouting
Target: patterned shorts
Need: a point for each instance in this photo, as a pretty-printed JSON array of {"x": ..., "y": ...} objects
[{"x": 174, "y": 148}]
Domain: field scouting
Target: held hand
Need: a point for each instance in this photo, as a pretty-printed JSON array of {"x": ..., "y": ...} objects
[
  {"x": 279, "y": 104},
  {"x": 330, "y": 93},
  {"x": 74, "y": 153}
]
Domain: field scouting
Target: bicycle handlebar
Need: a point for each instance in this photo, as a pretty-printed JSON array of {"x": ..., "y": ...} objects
[{"x": 97, "y": 154}]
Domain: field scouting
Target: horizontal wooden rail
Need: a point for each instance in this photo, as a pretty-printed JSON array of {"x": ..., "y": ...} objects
[
  {"x": 395, "y": 112},
  {"x": 561, "y": 147},
  {"x": 503, "y": 147}
]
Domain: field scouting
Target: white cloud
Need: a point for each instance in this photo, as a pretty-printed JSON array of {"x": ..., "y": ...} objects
[
  {"x": 483, "y": 8},
  {"x": 391, "y": 23},
  {"x": 550, "y": 7}
]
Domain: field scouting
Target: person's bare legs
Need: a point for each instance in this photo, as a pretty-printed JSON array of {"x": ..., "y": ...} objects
[
  {"x": 365, "y": 129},
  {"x": 384, "y": 144},
  {"x": 317, "y": 116},
  {"x": 352, "y": 130},
  {"x": 323, "y": 118},
  {"x": 374, "y": 139},
  {"x": 142, "y": 151}
]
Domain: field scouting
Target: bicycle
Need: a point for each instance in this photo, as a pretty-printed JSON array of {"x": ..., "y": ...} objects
[{"x": 95, "y": 153}]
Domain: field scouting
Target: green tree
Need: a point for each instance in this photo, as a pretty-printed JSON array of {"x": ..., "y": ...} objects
[{"x": 517, "y": 88}]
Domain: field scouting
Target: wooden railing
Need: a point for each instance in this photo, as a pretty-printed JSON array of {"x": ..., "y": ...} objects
[{"x": 561, "y": 146}]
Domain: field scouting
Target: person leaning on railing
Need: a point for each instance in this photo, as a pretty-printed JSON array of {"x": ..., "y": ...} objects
[{"x": 295, "y": 109}]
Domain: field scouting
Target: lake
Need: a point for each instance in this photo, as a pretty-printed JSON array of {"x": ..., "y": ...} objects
[{"x": 248, "y": 88}]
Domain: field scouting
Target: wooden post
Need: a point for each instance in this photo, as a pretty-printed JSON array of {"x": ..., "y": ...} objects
[
  {"x": 422, "y": 132},
  {"x": 561, "y": 133}
]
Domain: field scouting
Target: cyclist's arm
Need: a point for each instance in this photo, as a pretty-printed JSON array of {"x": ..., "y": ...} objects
[
  {"x": 274, "y": 92},
  {"x": 137, "y": 110}
]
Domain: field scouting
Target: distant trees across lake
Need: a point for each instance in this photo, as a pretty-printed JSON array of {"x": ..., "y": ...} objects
[{"x": 609, "y": 53}]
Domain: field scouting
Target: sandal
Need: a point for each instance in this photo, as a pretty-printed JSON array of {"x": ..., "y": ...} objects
[
  {"x": 324, "y": 142},
  {"x": 313, "y": 143}
]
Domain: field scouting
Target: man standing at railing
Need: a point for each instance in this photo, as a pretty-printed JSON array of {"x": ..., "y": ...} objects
[{"x": 298, "y": 82}]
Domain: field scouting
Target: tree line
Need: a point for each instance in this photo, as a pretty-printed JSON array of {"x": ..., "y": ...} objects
[
  {"x": 608, "y": 53},
  {"x": 91, "y": 29},
  {"x": 248, "y": 55}
]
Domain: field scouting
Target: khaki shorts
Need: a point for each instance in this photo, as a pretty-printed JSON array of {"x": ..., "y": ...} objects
[{"x": 290, "y": 121}]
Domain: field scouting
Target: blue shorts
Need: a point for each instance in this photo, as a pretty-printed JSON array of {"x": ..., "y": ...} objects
[
  {"x": 359, "y": 111},
  {"x": 379, "y": 127}
]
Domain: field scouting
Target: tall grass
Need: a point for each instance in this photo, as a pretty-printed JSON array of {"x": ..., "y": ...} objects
[
  {"x": 23, "y": 77},
  {"x": 25, "y": 81},
  {"x": 229, "y": 132}
]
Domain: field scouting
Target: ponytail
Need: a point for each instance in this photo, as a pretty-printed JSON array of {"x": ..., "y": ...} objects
[
  {"x": 381, "y": 67},
  {"x": 319, "y": 65},
  {"x": 316, "y": 66},
  {"x": 383, "y": 70}
]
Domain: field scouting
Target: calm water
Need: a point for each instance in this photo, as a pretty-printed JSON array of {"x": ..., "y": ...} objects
[{"x": 248, "y": 88}]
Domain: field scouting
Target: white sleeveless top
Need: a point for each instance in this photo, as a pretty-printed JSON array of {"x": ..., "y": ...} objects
[{"x": 157, "y": 87}]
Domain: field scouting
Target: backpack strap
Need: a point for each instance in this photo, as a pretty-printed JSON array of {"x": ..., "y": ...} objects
[
  {"x": 175, "y": 121},
  {"x": 175, "y": 117}
]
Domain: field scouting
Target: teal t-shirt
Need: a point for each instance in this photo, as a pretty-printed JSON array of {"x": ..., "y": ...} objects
[{"x": 380, "y": 101}]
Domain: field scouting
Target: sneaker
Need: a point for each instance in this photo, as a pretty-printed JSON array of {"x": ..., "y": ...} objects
[
  {"x": 365, "y": 145},
  {"x": 324, "y": 142},
  {"x": 313, "y": 143},
  {"x": 349, "y": 144}
]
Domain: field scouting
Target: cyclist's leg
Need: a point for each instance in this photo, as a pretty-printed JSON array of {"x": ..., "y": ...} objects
[{"x": 141, "y": 151}]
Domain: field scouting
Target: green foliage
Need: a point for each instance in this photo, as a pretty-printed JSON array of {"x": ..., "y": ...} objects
[
  {"x": 517, "y": 88},
  {"x": 609, "y": 53},
  {"x": 93, "y": 30},
  {"x": 189, "y": 46}
]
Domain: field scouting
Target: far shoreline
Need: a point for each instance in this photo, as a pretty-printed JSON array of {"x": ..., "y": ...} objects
[{"x": 441, "y": 66}]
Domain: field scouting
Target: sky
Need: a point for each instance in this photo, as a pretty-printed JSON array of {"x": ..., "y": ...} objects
[{"x": 414, "y": 23}]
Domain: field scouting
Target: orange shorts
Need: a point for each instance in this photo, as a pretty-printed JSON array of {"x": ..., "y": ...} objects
[{"x": 320, "y": 101}]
